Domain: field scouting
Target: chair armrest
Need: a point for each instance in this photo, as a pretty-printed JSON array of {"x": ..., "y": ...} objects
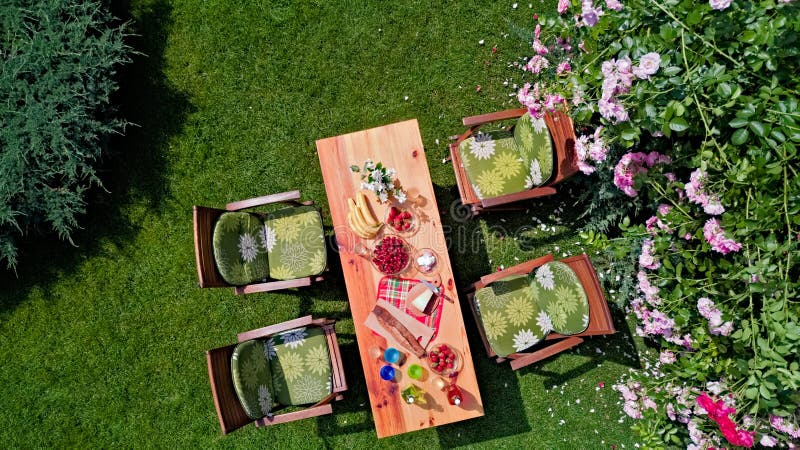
[
  {"x": 493, "y": 117},
  {"x": 313, "y": 411},
  {"x": 277, "y": 328},
  {"x": 519, "y": 269},
  {"x": 265, "y": 200},
  {"x": 550, "y": 350},
  {"x": 518, "y": 196},
  {"x": 272, "y": 286}
]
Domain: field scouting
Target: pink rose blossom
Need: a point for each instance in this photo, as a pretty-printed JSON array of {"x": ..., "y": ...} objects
[
  {"x": 589, "y": 14},
  {"x": 667, "y": 357},
  {"x": 563, "y": 68},
  {"x": 715, "y": 235},
  {"x": 719, "y": 5},
  {"x": 650, "y": 292},
  {"x": 768, "y": 441},
  {"x": 648, "y": 65},
  {"x": 647, "y": 259},
  {"x": 782, "y": 425},
  {"x": 562, "y": 6},
  {"x": 537, "y": 63}
]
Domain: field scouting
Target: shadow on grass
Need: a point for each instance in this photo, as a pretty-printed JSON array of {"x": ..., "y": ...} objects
[{"x": 133, "y": 171}]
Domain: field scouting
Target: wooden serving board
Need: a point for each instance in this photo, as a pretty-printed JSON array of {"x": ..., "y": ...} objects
[{"x": 398, "y": 146}]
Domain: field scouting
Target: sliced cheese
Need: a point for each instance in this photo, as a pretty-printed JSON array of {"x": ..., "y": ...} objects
[{"x": 421, "y": 302}]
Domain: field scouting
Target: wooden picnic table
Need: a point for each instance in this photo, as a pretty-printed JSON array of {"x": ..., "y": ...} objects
[{"x": 398, "y": 146}]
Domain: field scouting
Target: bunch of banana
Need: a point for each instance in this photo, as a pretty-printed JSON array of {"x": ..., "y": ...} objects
[{"x": 361, "y": 219}]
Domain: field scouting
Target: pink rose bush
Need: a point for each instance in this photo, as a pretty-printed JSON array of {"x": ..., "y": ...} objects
[{"x": 687, "y": 145}]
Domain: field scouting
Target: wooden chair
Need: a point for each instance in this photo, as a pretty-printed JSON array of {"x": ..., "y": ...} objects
[
  {"x": 230, "y": 413},
  {"x": 204, "y": 220},
  {"x": 562, "y": 132},
  {"x": 600, "y": 322}
]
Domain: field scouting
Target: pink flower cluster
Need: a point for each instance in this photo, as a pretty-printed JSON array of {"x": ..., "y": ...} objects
[
  {"x": 696, "y": 193},
  {"x": 647, "y": 259},
  {"x": 650, "y": 292},
  {"x": 780, "y": 424},
  {"x": 537, "y": 103},
  {"x": 635, "y": 399},
  {"x": 590, "y": 15},
  {"x": 632, "y": 164},
  {"x": 562, "y": 6},
  {"x": 715, "y": 236},
  {"x": 707, "y": 309},
  {"x": 618, "y": 75},
  {"x": 719, "y": 5},
  {"x": 614, "y": 4},
  {"x": 666, "y": 357},
  {"x": 654, "y": 223},
  {"x": 718, "y": 412},
  {"x": 590, "y": 148},
  {"x": 681, "y": 411}
]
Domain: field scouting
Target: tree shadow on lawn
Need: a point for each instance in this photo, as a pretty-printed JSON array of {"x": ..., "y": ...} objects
[{"x": 133, "y": 171}]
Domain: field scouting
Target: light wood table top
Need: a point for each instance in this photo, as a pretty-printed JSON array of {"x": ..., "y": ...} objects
[{"x": 398, "y": 146}]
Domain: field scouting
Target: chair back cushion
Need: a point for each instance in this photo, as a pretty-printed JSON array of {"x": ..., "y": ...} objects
[
  {"x": 239, "y": 252},
  {"x": 295, "y": 242},
  {"x": 512, "y": 320},
  {"x": 252, "y": 378},
  {"x": 535, "y": 147},
  {"x": 301, "y": 365},
  {"x": 560, "y": 295},
  {"x": 493, "y": 164}
]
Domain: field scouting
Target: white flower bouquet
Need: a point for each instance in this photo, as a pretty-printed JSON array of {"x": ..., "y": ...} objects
[{"x": 380, "y": 180}]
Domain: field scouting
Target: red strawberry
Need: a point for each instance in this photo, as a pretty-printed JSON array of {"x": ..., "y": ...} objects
[{"x": 406, "y": 215}]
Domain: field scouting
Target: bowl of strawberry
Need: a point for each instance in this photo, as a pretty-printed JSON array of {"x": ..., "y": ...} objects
[
  {"x": 444, "y": 360},
  {"x": 391, "y": 255},
  {"x": 400, "y": 220}
]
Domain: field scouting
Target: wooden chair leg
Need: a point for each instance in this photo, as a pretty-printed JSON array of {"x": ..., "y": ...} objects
[{"x": 548, "y": 351}]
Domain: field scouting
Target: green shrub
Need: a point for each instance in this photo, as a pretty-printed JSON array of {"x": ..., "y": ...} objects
[
  {"x": 58, "y": 59},
  {"x": 690, "y": 127}
]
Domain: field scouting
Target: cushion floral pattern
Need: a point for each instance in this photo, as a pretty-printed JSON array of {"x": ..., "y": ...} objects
[
  {"x": 301, "y": 365},
  {"x": 536, "y": 148},
  {"x": 560, "y": 294},
  {"x": 519, "y": 311},
  {"x": 252, "y": 378},
  {"x": 493, "y": 164},
  {"x": 511, "y": 319},
  {"x": 239, "y": 256},
  {"x": 294, "y": 240}
]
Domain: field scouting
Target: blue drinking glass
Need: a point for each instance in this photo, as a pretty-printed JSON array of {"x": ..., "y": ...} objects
[
  {"x": 391, "y": 355},
  {"x": 387, "y": 373}
]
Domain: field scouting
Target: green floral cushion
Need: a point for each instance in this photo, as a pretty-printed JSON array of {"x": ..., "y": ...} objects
[
  {"x": 536, "y": 149},
  {"x": 294, "y": 239},
  {"x": 493, "y": 164},
  {"x": 559, "y": 292},
  {"x": 301, "y": 366},
  {"x": 252, "y": 378},
  {"x": 511, "y": 319},
  {"x": 240, "y": 257}
]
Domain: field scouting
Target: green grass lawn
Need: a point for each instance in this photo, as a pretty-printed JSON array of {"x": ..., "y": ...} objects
[{"x": 103, "y": 343}]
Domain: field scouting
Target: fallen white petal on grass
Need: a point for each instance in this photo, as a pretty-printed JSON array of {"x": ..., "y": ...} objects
[
  {"x": 514, "y": 6},
  {"x": 481, "y": 42}
]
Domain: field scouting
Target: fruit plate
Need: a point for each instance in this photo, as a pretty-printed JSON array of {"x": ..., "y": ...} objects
[
  {"x": 392, "y": 255},
  {"x": 401, "y": 220},
  {"x": 444, "y": 360}
]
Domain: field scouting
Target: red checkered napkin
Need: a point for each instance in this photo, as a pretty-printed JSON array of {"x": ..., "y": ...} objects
[{"x": 394, "y": 291}]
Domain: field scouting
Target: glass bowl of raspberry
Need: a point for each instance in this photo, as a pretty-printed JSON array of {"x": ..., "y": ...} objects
[{"x": 391, "y": 255}]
